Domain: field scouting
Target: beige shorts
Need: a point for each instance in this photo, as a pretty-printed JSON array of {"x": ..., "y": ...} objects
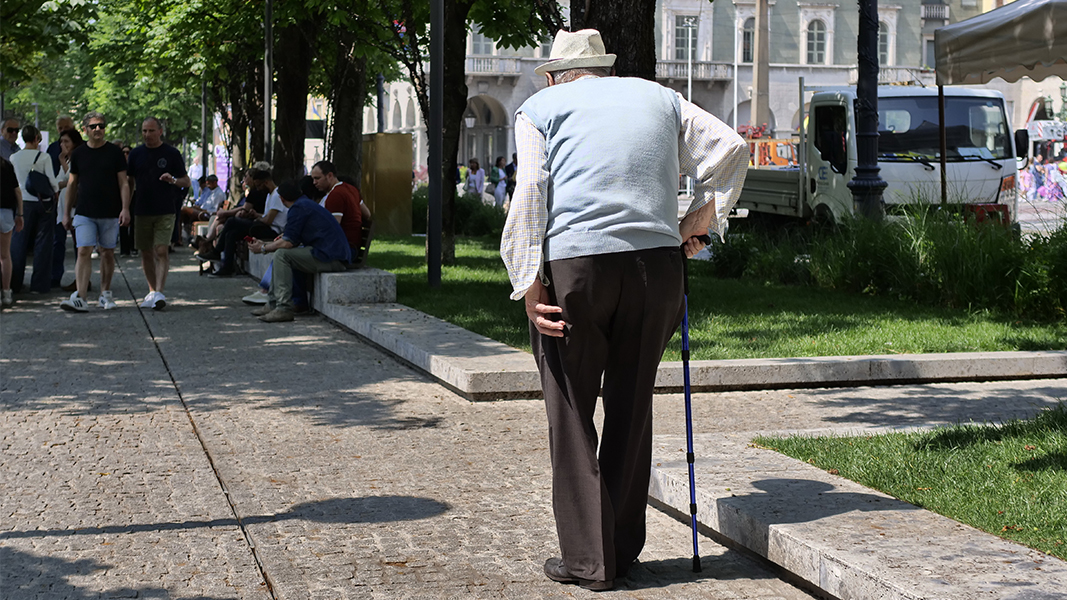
[{"x": 150, "y": 231}]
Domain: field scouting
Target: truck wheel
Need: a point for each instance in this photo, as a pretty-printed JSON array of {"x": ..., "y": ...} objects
[{"x": 823, "y": 218}]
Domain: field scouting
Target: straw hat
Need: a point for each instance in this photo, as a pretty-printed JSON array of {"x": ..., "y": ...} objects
[{"x": 575, "y": 50}]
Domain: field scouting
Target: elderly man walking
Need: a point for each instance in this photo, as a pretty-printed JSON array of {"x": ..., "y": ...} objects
[{"x": 594, "y": 247}]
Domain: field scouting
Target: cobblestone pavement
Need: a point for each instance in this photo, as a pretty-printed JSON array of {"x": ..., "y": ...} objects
[{"x": 196, "y": 452}]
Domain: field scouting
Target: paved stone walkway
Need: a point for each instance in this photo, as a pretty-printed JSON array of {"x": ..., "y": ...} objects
[
  {"x": 199, "y": 453},
  {"x": 146, "y": 455}
]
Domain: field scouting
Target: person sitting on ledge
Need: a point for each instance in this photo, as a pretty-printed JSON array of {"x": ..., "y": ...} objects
[{"x": 324, "y": 249}]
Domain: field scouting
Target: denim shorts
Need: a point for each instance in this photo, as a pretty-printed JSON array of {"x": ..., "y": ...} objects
[
  {"x": 96, "y": 232},
  {"x": 7, "y": 220}
]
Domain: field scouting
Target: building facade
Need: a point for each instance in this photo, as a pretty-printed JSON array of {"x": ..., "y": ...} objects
[{"x": 813, "y": 39}]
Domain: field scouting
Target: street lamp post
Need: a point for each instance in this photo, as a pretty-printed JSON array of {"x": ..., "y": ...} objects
[
  {"x": 690, "y": 24},
  {"x": 867, "y": 185},
  {"x": 1063, "y": 100}
]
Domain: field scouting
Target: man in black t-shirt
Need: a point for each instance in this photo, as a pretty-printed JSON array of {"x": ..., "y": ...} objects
[
  {"x": 98, "y": 189},
  {"x": 158, "y": 172}
]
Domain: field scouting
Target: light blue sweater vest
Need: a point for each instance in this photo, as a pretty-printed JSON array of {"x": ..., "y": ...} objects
[{"x": 613, "y": 160}]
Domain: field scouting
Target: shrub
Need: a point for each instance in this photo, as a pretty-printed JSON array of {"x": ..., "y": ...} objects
[{"x": 473, "y": 217}]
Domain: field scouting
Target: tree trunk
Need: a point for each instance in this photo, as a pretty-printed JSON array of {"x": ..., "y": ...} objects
[
  {"x": 629, "y": 31},
  {"x": 253, "y": 106},
  {"x": 349, "y": 87},
  {"x": 455, "y": 102},
  {"x": 292, "y": 62}
]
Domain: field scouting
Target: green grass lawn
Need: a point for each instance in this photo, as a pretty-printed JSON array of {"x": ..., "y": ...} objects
[
  {"x": 729, "y": 318},
  {"x": 1009, "y": 480}
]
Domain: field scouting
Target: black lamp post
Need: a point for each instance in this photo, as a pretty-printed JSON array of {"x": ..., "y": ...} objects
[{"x": 867, "y": 185}]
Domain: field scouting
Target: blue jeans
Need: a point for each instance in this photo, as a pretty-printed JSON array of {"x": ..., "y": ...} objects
[{"x": 38, "y": 231}]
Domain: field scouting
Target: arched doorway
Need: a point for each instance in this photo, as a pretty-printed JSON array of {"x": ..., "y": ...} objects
[{"x": 485, "y": 130}]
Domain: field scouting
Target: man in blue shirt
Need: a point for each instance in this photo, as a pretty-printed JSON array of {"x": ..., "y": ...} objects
[{"x": 312, "y": 242}]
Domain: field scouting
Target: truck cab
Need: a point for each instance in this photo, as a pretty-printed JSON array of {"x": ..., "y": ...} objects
[{"x": 980, "y": 155}]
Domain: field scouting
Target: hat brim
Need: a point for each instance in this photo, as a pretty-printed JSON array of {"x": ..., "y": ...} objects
[{"x": 562, "y": 64}]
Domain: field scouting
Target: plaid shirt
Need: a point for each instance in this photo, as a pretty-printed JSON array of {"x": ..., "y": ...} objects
[{"x": 709, "y": 151}]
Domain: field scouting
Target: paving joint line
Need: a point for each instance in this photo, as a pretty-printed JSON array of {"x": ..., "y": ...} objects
[{"x": 203, "y": 446}]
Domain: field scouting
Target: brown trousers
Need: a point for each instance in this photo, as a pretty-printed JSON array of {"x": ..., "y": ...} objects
[{"x": 621, "y": 310}]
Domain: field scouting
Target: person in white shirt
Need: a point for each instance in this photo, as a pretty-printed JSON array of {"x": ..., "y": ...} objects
[{"x": 39, "y": 216}]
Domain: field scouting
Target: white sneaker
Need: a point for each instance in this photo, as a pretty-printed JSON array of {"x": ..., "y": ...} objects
[
  {"x": 260, "y": 297},
  {"x": 6, "y": 299},
  {"x": 159, "y": 301},
  {"x": 107, "y": 301},
  {"x": 149, "y": 300},
  {"x": 74, "y": 304}
]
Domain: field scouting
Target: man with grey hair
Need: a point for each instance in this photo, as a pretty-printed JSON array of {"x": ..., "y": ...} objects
[
  {"x": 9, "y": 138},
  {"x": 97, "y": 188},
  {"x": 157, "y": 171},
  {"x": 594, "y": 246},
  {"x": 63, "y": 123}
]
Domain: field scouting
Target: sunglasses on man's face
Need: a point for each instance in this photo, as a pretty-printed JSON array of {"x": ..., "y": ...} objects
[
  {"x": 12, "y": 129},
  {"x": 95, "y": 126}
]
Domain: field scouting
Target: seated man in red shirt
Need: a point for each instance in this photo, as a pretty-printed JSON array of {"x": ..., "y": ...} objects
[{"x": 341, "y": 199}]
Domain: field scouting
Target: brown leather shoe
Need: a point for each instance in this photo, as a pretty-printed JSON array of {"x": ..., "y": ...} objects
[
  {"x": 262, "y": 310},
  {"x": 557, "y": 571}
]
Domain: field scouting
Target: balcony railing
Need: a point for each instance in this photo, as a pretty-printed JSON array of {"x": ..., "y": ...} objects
[
  {"x": 888, "y": 75},
  {"x": 495, "y": 66},
  {"x": 702, "y": 71},
  {"x": 935, "y": 12}
]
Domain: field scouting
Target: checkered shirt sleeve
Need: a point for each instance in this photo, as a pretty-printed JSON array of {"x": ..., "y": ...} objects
[
  {"x": 716, "y": 157},
  {"x": 522, "y": 243}
]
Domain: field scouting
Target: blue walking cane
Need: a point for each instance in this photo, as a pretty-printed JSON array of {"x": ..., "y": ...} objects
[{"x": 690, "y": 456}]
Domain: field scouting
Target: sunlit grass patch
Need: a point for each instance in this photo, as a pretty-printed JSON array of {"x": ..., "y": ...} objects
[{"x": 1008, "y": 479}]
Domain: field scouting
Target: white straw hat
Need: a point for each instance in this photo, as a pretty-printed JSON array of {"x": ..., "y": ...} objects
[{"x": 575, "y": 50}]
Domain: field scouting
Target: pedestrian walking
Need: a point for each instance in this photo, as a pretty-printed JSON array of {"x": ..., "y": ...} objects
[
  {"x": 39, "y": 213},
  {"x": 600, "y": 270},
  {"x": 99, "y": 190},
  {"x": 10, "y": 222},
  {"x": 157, "y": 171},
  {"x": 499, "y": 178},
  {"x": 68, "y": 141},
  {"x": 9, "y": 137}
]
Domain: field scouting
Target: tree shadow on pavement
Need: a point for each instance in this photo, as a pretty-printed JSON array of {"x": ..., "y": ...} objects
[
  {"x": 932, "y": 404},
  {"x": 368, "y": 509},
  {"x": 27, "y": 576},
  {"x": 663, "y": 573}
]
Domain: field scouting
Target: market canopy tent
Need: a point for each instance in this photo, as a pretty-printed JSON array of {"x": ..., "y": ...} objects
[{"x": 1027, "y": 38}]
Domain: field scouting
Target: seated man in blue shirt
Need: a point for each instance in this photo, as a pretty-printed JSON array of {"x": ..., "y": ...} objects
[{"x": 312, "y": 242}]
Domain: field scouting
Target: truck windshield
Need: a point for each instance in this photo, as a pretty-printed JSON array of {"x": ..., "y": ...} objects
[{"x": 975, "y": 129}]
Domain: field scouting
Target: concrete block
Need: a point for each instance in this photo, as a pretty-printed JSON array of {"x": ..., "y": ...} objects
[
  {"x": 847, "y": 540},
  {"x": 257, "y": 264},
  {"x": 358, "y": 286}
]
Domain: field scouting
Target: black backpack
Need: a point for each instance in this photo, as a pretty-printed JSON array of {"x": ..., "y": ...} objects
[{"x": 38, "y": 184}]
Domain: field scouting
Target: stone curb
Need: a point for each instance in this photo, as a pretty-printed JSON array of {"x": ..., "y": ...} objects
[
  {"x": 847, "y": 540},
  {"x": 482, "y": 369}
]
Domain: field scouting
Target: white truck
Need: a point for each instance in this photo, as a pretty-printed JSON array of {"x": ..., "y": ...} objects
[{"x": 981, "y": 155}]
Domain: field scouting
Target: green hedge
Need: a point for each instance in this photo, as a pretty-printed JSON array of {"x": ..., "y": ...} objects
[
  {"x": 473, "y": 217},
  {"x": 928, "y": 257}
]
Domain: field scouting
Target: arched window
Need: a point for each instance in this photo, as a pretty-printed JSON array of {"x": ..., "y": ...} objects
[
  {"x": 816, "y": 43},
  {"x": 883, "y": 44},
  {"x": 397, "y": 117},
  {"x": 410, "y": 121},
  {"x": 748, "y": 40}
]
